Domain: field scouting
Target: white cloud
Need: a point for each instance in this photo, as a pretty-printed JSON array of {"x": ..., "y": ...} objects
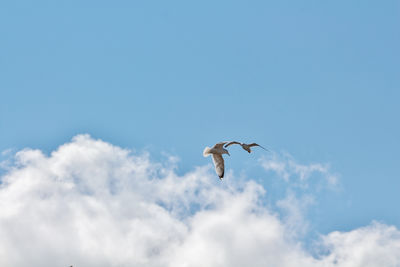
[
  {"x": 90, "y": 203},
  {"x": 374, "y": 245},
  {"x": 286, "y": 167},
  {"x": 294, "y": 212}
]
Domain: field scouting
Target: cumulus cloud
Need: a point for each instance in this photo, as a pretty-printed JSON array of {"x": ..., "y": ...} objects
[{"x": 90, "y": 203}]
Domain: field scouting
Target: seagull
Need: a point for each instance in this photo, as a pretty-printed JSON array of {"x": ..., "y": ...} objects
[
  {"x": 216, "y": 151},
  {"x": 244, "y": 146}
]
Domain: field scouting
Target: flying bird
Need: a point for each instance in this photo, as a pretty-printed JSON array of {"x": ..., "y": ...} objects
[
  {"x": 244, "y": 146},
  {"x": 216, "y": 151}
]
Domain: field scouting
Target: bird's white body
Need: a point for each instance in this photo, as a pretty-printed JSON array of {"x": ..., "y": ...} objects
[
  {"x": 217, "y": 151},
  {"x": 246, "y": 147}
]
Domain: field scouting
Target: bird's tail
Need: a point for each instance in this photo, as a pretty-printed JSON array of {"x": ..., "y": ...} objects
[{"x": 206, "y": 151}]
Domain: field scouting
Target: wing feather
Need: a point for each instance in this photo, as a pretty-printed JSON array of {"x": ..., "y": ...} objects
[
  {"x": 255, "y": 144},
  {"x": 219, "y": 164},
  {"x": 219, "y": 145},
  {"x": 232, "y": 143}
]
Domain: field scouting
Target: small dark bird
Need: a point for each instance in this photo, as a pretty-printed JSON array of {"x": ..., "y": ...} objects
[{"x": 245, "y": 146}]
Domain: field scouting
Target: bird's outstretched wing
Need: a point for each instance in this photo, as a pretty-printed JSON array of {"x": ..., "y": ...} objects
[
  {"x": 233, "y": 143},
  {"x": 219, "y": 164},
  {"x": 255, "y": 144},
  {"x": 219, "y": 145}
]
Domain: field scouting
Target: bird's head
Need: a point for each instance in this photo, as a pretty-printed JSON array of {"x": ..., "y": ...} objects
[{"x": 226, "y": 152}]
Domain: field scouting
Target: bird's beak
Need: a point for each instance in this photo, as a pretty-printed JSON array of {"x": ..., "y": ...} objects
[{"x": 228, "y": 154}]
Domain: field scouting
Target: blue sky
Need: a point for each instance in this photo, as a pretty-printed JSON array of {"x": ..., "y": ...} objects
[{"x": 317, "y": 80}]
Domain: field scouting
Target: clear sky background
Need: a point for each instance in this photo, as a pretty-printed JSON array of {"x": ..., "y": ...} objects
[{"x": 318, "y": 80}]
